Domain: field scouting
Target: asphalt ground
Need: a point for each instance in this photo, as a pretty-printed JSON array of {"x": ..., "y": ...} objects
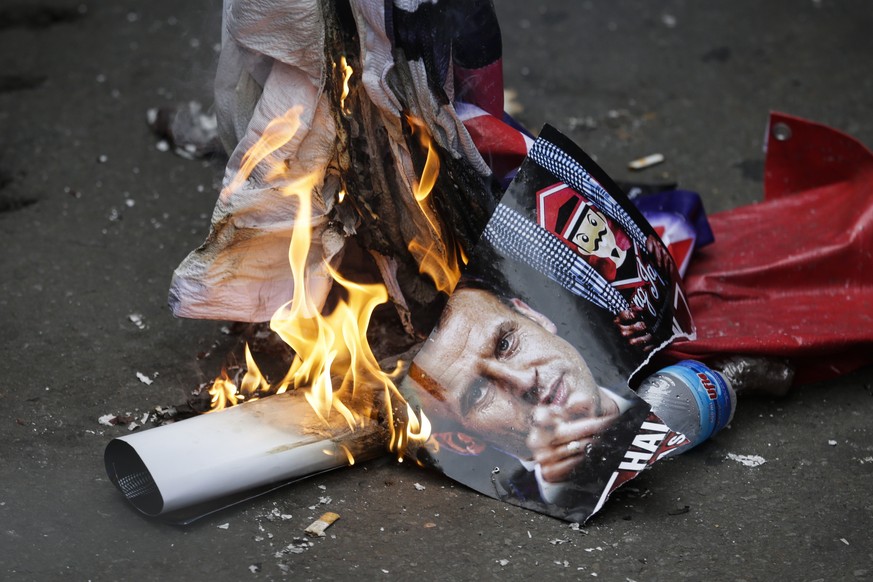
[{"x": 95, "y": 218}]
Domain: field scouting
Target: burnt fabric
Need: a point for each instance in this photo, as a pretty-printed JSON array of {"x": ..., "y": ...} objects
[
  {"x": 274, "y": 61},
  {"x": 792, "y": 277}
]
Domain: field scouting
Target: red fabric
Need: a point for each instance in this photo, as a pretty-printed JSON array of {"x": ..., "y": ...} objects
[
  {"x": 792, "y": 276},
  {"x": 481, "y": 87},
  {"x": 502, "y": 147}
]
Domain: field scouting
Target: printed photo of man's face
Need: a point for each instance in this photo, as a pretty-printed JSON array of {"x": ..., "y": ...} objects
[{"x": 496, "y": 365}]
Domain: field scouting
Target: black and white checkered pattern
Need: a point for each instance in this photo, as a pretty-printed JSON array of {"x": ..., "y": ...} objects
[
  {"x": 525, "y": 241},
  {"x": 556, "y": 160}
]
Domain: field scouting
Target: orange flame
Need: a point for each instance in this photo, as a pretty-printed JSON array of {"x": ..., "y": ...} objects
[
  {"x": 224, "y": 391},
  {"x": 333, "y": 361},
  {"x": 436, "y": 254},
  {"x": 347, "y": 74}
]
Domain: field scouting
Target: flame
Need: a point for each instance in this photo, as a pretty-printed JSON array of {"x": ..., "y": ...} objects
[
  {"x": 333, "y": 364},
  {"x": 277, "y": 133},
  {"x": 417, "y": 432},
  {"x": 347, "y": 74},
  {"x": 253, "y": 381},
  {"x": 436, "y": 254},
  {"x": 223, "y": 392}
]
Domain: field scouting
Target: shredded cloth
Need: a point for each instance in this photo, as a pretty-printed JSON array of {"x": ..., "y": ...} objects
[
  {"x": 273, "y": 58},
  {"x": 525, "y": 241}
]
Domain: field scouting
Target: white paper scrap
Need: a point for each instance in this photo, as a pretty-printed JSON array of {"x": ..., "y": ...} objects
[{"x": 747, "y": 460}]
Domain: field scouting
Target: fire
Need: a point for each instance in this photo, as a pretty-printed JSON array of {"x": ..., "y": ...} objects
[
  {"x": 347, "y": 74},
  {"x": 224, "y": 391},
  {"x": 436, "y": 259},
  {"x": 333, "y": 363}
]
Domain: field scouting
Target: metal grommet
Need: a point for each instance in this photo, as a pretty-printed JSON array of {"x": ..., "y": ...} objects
[{"x": 781, "y": 131}]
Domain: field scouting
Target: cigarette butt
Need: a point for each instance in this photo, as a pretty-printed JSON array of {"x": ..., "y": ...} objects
[
  {"x": 646, "y": 162},
  {"x": 317, "y": 527}
]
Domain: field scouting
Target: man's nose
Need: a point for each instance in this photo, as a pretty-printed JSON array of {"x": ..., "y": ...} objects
[{"x": 520, "y": 381}]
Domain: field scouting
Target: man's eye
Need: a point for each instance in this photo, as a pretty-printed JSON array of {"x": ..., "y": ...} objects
[
  {"x": 505, "y": 345},
  {"x": 477, "y": 395},
  {"x": 584, "y": 238},
  {"x": 593, "y": 221}
]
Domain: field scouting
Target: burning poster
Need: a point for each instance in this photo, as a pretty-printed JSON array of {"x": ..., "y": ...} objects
[{"x": 526, "y": 377}]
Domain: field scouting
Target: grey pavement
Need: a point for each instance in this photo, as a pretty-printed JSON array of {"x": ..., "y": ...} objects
[{"x": 95, "y": 218}]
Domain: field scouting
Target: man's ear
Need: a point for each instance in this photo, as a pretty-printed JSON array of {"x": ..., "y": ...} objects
[
  {"x": 459, "y": 442},
  {"x": 532, "y": 314}
]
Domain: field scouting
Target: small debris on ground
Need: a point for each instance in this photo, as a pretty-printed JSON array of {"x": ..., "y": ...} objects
[
  {"x": 254, "y": 568},
  {"x": 137, "y": 320},
  {"x": 419, "y": 487},
  {"x": 144, "y": 379},
  {"x": 117, "y": 419},
  {"x": 297, "y": 546},
  {"x": 832, "y": 442},
  {"x": 317, "y": 527},
  {"x": 646, "y": 162},
  {"x": 559, "y": 541},
  {"x": 502, "y": 562},
  {"x": 224, "y": 526},
  {"x": 747, "y": 460},
  {"x": 186, "y": 128},
  {"x": 321, "y": 501},
  {"x": 587, "y": 122},
  {"x": 679, "y": 510},
  {"x": 276, "y": 514}
]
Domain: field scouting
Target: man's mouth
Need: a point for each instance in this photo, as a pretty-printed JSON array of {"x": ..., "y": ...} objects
[{"x": 556, "y": 394}]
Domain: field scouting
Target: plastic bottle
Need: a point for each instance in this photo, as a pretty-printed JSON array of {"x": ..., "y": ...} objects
[{"x": 691, "y": 399}]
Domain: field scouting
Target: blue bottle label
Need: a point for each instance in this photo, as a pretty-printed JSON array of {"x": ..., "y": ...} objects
[{"x": 711, "y": 392}]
